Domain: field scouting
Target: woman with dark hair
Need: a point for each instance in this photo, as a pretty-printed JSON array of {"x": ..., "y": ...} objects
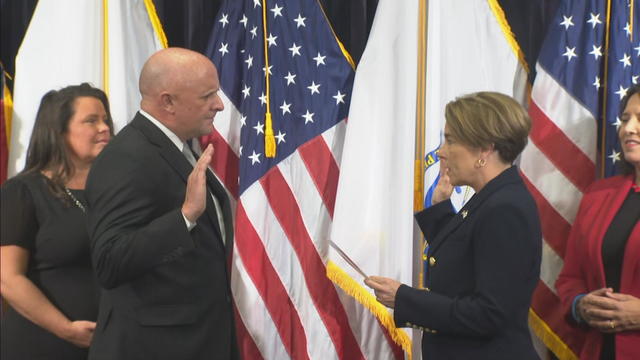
[
  {"x": 600, "y": 282},
  {"x": 45, "y": 267},
  {"x": 484, "y": 261}
]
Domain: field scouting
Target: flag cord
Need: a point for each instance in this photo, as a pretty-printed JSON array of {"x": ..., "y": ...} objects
[
  {"x": 269, "y": 139},
  {"x": 631, "y": 20}
]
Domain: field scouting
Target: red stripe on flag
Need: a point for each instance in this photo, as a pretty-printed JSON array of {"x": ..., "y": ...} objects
[
  {"x": 547, "y": 306},
  {"x": 224, "y": 161},
  {"x": 323, "y": 169},
  {"x": 396, "y": 349},
  {"x": 555, "y": 228},
  {"x": 560, "y": 150},
  {"x": 266, "y": 280},
  {"x": 322, "y": 291},
  {"x": 248, "y": 348}
]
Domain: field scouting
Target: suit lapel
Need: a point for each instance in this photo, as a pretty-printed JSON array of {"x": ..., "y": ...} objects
[
  {"x": 180, "y": 164},
  {"x": 508, "y": 176},
  {"x": 167, "y": 149},
  {"x": 219, "y": 192}
]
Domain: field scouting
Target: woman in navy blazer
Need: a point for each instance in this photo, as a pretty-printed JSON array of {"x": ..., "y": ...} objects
[{"x": 484, "y": 261}]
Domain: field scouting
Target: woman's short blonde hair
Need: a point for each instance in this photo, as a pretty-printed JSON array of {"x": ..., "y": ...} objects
[{"x": 482, "y": 119}]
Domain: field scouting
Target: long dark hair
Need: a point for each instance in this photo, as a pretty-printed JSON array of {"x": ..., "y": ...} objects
[
  {"x": 47, "y": 147},
  {"x": 625, "y": 166}
]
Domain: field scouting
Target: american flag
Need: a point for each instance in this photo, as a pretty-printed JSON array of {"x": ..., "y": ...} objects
[
  {"x": 286, "y": 306},
  {"x": 589, "y": 59}
]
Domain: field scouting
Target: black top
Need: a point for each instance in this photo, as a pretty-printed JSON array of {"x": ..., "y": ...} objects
[
  {"x": 55, "y": 235},
  {"x": 613, "y": 244}
]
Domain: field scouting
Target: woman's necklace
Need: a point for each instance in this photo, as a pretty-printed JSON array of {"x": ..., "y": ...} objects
[{"x": 75, "y": 200}]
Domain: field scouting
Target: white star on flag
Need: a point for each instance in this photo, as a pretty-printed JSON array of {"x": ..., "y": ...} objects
[
  {"x": 263, "y": 99},
  {"x": 254, "y": 32},
  {"x": 339, "y": 97},
  {"x": 319, "y": 59},
  {"x": 596, "y": 83},
  {"x": 615, "y": 156},
  {"x": 570, "y": 53},
  {"x": 627, "y": 29},
  {"x": 249, "y": 62},
  {"x": 280, "y": 137},
  {"x": 300, "y": 21},
  {"x": 314, "y": 88},
  {"x": 290, "y": 78},
  {"x": 295, "y": 50},
  {"x": 245, "y": 91},
  {"x": 255, "y": 158},
  {"x": 272, "y": 40},
  {"x": 596, "y": 52},
  {"x": 595, "y": 20},
  {"x": 243, "y": 21},
  {"x": 259, "y": 128},
  {"x": 277, "y": 11},
  {"x": 308, "y": 117},
  {"x": 617, "y": 123},
  {"x": 224, "y": 20},
  {"x": 285, "y": 108},
  {"x": 626, "y": 60},
  {"x": 567, "y": 22},
  {"x": 223, "y": 49},
  {"x": 622, "y": 91}
]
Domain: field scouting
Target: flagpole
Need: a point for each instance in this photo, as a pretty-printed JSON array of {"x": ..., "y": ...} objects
[
  {"x": 419, "y": 165},
  {"x": 105, "y": 46}
]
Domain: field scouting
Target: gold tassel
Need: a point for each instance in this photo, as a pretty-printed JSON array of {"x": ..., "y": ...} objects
[{"x": 269, "y": 139}]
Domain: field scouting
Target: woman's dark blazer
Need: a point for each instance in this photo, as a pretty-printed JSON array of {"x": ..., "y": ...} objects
[{"x": 483, "y": 265}]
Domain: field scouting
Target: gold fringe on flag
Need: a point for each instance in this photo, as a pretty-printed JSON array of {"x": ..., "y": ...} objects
[
  {"x": 364, "y": 297},
  {"x": 549, "y": 338}
]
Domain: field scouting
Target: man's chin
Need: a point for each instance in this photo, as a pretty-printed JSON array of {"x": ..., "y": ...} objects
[{"x": 206, "y": 130}]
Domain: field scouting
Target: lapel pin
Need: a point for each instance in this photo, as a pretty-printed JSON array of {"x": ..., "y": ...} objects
[{"x": 464, "y": 213}]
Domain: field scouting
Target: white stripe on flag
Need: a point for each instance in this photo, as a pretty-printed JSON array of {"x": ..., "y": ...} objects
[
  {"x": 227, "y": 123},
  {"x": 565, "y": 112},
  {"x": 289, "y": 270},
  {"x": 552, "y": 184},
  {"x": 253, "y": 311},
  {"x": 314, "y": 214},
  {"x": 550, "y": 266}
]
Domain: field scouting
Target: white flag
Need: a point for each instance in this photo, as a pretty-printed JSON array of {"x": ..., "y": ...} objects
[{"x": 373, "y": 219}]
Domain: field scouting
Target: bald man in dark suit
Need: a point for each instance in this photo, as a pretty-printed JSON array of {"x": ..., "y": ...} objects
[{"x": 160, "y": 227}]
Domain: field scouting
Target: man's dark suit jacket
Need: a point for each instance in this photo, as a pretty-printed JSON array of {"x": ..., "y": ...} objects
[
  {"x": 484, "y": 264},
  {"x": 166, "y": 289}
]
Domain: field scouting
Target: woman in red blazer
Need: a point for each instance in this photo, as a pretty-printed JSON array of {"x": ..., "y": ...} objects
[{"x": 600, "y": 283}]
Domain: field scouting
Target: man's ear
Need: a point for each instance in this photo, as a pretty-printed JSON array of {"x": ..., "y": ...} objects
[{"x": 168, "y": 102}]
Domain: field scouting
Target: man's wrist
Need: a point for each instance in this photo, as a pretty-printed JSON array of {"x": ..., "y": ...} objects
[{"x": 190, "y": 224}]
